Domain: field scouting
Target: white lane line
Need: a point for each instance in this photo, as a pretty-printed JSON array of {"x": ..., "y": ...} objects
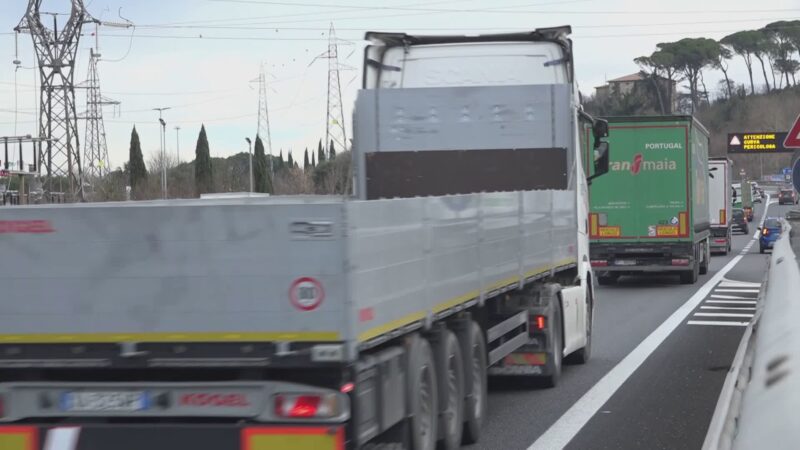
[
  {"x": 570, "y": 423},
  {"x": 733, "y": 302},
  {"x": 754, "y": 291},
  {"x": 731, "y": 297},
  {"x": 702, "y": 314},
  {"x": 718, "y": 323},
  {"x": 730, "y": 308},
  {"x": 733, "y": 283}
]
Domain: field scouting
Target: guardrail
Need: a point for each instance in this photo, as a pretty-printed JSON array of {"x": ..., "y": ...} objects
[{"x": 760, "y": 399}]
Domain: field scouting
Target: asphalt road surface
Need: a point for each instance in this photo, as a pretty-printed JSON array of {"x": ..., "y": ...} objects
[{"x": 661, "y": 352}]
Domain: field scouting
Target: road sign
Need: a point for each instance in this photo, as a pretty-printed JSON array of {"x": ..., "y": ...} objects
[
  {"x": 306, "y": 293},
  {"x": 796, "y": 175},
  {"x": 758, "y": 142},
  {"x": 792, "y": 139}
]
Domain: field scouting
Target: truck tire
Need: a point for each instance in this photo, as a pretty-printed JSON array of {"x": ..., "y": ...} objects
[
  {"x": 423, "y": 402},
  {"x": 582, "y": 355},
  {"x": 450, "y": 366},
  {"x": 706, "y": 259},
  {"x": 556, "y": 346},
  {"x": 691, "y": 276},
  {"x": 476, "y": 398}
]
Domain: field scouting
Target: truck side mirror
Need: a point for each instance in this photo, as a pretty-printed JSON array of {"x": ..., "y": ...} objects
[{"x": 601, "y": 148}]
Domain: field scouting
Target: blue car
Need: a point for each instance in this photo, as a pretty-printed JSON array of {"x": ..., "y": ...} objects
[{"x": 770, "y": 233}]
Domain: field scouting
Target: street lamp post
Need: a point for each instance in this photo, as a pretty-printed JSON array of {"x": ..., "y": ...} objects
[
  {"x": 250, "y": 154},
  {"x": 178, "y": 143},
  {"x": 163, "y": 136}
]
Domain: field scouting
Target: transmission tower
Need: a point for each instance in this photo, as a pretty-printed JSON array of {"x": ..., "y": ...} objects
[
  {"x": 334, "y": 120},
  {"x": 95, "y": 153},
  {"x": 56, "y": 50},
  {"x": 263, "y": 114}
]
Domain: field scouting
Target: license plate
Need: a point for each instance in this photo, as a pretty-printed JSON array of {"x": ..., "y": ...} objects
[
  {"x": 625, "y": 262},
  {"x": 125, "y": 401}
]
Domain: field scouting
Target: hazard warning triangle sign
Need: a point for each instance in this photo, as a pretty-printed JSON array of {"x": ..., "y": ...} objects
[
  {"x": 735, "y": 140},
  {"x": 793, "y": 136}
]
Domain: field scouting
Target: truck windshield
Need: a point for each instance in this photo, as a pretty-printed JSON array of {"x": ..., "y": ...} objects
[{"x": 474, "y": 64}]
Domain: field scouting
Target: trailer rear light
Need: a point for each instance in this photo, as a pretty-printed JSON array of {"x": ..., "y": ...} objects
[
  {"x": 537, "y": 323},
  {"x": 680, "y": 262},
  {"x": 599, "y": 263},
  {"x": 719, "y": 241},
  {"x": 307, "y": 406},
  {"x": 347, "y": 388}
]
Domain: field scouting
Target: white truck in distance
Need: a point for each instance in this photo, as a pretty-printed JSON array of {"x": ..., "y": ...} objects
[
  {"x": 720, "y": 203},
  {"x": 324, "y": 322}
]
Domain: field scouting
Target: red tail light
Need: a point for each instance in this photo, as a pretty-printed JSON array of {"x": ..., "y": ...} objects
[
  {"x": 599, "y": 263},
  {"x": 537, "y": 323},
  {"x": 680, "y": 262},
  {"x": 305, "y": 406},
  {"x": 765, "y": 231}
]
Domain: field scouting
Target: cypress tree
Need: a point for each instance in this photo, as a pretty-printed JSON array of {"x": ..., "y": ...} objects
[
  {"x": 313, "y": 160},
  {"x": 203, "y": 177},
  {"x": 137, "y": 171},
  {"x": 332, "y": 151},
  {"x": 320, "y": 153},
  {"x": 261, "y": 176},
  {"x": 291, "y": 161},
  {"x": 279, "y": 166},
  {"x": 306, "y": 162}
]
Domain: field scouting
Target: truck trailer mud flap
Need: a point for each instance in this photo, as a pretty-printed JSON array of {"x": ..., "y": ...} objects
[{"x": 171, "y": 437}]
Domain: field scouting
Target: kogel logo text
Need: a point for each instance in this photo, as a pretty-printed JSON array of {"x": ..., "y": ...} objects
[{"x": 639, "y": 164}]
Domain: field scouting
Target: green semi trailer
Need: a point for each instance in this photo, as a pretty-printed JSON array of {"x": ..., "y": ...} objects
[{"x": 650, "y": 212}]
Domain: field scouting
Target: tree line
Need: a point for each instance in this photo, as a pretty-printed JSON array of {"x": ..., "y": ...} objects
[
  {"x": 771, "y": 53},
  {"x": 322, "y": 172}
]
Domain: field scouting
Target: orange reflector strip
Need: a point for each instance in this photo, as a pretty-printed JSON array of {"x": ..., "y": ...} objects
[
  {"x": 292, "y": 438},
  {"x": 525, "y": 359},
  {"x": 682, "y": 220},
  {"x": 19, "y": 438},
  {"x": 723, "y": 219},
  {"x": 593, "y": 224}
]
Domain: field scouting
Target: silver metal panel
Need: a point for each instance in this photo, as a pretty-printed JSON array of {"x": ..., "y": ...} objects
[
  {"x": 465, "y": 118},
  {"x": 169, "y": 267},
  {"x": 413, "y": 258}
]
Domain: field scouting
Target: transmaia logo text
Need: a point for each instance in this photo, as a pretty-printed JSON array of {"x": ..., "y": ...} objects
[{"x": 639, "y": 164}]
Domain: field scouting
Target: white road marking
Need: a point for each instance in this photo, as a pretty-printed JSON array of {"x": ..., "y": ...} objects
[
  {"x": 730, "y": 297},
  {"x": 734, "y": 283},
  {"x": 702, "y": 314},
  {"x": 736, "y": 302},
  {"x": 732, "y": 308},
  {"x": 718, "y": 323},
  {"x": 570, "y": 423},
  {"x": 754, "y": 291},
  {"x": 62, "y": 438}
]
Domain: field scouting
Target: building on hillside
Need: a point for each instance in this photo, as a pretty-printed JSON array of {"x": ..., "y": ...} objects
[{"x": 638, "y": 83}]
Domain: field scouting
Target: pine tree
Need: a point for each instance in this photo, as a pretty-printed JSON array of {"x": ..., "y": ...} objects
[
  {"x": 137, "y": 171},
  {"x": 261, "y": 177},
  {"x": 320, "y": 153},
  {"x": 291, "y": 161},
  {"x": 306, "y": 162},
  {"x": 332, "y": 151},
  {"x": 203, "y": 177}
]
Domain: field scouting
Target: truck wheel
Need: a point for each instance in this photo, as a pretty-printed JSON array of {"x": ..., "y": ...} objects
[
  {"x": 607, "y": 279},
  {"x": 706, "y": 259},
  {"x": 477, "y": 394},
  {"x": 691, "y": 276},
  {"x": 423, "y": 404},
  {"x": 582, "y": 355},
  {"x": 451, "y": 391},
  {"x": 556, "y": 346}
]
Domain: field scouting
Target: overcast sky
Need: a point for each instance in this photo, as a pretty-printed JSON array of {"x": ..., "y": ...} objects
[{"x": 200, "y": 56}]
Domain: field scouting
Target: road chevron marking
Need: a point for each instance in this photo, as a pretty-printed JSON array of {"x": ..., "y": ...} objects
[{"x": 563, "y": 430}]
